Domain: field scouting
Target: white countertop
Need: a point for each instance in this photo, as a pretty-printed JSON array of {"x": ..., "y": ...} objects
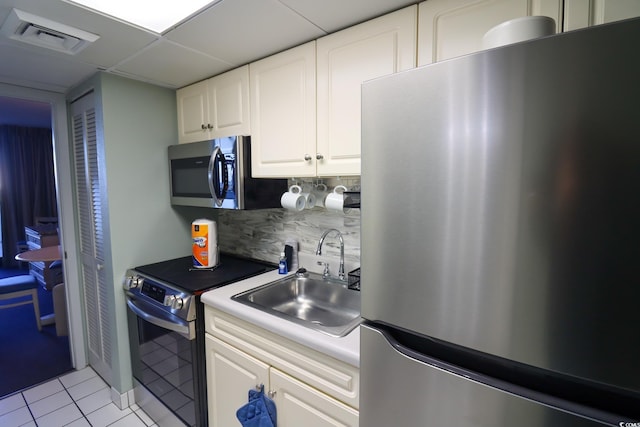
[{"x": 346, "y": 349}]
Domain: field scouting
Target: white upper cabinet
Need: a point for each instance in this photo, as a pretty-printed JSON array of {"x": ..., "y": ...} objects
[
  {"x": 450, "y": 28},
  {"x": 286, "y": 89},
  {"x": 215, "y": 108},
  {"x": 229, "y": 110},
  {"x": 283, "y": 113},
  {"x": 585, "y": 13},
  {"x": 345, "y": 60},
  {"x": 193, "y": 113}
]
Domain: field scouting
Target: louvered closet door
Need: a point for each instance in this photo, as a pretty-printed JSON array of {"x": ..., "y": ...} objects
[{"x": 89, "y": 205}]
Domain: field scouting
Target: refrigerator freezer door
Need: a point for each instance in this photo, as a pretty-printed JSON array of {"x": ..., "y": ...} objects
[
  {"x": 397, "y": 390},
  {"x": 500, "y": 204}
]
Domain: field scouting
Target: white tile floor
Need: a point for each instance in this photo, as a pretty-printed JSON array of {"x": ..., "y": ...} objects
[{"x": 80, "y": 398}]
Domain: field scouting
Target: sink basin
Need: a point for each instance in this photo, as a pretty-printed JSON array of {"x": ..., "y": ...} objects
[{"x": 321, "y": 304}]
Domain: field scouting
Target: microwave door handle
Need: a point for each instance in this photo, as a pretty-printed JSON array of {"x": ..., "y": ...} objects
[{"x": 216, "y": 166}]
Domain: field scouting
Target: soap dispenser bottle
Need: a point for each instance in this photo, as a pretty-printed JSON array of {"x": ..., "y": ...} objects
[{"x": 282, "y": 265}]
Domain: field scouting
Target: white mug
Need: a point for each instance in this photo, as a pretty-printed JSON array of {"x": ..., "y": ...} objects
[
  {"x": 320, "y": 191},
  {"x": 309, "y": 197},
  {"x": 335, "y": 200},
  {"x": 293, "y": 199}
]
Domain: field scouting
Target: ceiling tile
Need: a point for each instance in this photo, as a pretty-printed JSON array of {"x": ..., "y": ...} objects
[
  {"x": 334, "y": 15},
  {"x": 54, "y": 72},
  {"x": 241, "y": 31},
  {"x": 116, "y": 43},
  {"x": 171, "y": 65}
]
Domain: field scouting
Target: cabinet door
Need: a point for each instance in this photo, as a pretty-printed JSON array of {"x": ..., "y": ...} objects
[
  {"x": 231, "y": 373},
  {"x": 301, "y": 405},
  {"x": 585, "y": 13},
  {"x": 229, "y": 103},
  {"x": 283, "y": 113},
  {"x": 345, "y": 59},
  {"x": 193, "y": 113},
  {"x": 450, "y": 28}
]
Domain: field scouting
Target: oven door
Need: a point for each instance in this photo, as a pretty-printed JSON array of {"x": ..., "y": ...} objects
[{"x": 166, "y": 364}]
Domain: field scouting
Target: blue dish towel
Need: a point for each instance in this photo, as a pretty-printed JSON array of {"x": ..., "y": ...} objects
[{"x": 259, "y": 412}]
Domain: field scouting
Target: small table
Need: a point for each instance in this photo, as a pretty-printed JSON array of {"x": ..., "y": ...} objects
[{"x": 47, "y": 254}]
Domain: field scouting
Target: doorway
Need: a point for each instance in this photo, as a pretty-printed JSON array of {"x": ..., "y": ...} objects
[
  {"x": 28, "y": 199},
  {"x": 55, "y": 106}
]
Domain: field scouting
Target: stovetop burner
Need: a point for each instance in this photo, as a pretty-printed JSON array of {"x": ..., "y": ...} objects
[{"x": 180, "y": 272}]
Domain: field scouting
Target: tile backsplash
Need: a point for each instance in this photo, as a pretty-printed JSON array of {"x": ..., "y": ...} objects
[{"x": 261, "y": 234}]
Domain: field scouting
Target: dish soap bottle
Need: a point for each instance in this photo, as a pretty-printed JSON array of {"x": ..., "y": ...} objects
[{"x": 282, "y": 265}]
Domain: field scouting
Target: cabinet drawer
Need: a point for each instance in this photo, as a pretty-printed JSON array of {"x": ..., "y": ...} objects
[{"x": 331, "y": 376}]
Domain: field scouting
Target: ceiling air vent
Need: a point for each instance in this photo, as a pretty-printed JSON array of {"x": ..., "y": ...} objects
[{"x": 43, "y": 32}]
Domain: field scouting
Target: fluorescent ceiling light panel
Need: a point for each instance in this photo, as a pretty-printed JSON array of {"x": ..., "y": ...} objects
[{"x": 153, "y": 15}]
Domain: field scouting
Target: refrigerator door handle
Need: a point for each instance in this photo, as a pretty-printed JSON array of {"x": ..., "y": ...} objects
[{"x": 469, "y": 373}]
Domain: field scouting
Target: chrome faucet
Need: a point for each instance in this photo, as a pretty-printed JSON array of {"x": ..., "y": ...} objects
[{"x": 341, "y": 274}]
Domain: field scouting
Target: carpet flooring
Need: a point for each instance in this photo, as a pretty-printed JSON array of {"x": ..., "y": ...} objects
[{"x": 29, "y": 357}]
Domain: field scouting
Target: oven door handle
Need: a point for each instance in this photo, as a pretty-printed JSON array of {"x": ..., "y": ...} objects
[{"x": 174, "y": 324}]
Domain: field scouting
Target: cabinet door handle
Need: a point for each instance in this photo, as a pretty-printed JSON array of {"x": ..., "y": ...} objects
[
  {"x": 307, "y": 158},
  {"x": 203, "y": 127},
  {"x": 272, "y": 394},
  {"x": 319, "y": 156},
  {"x": 209, "y": 126}
]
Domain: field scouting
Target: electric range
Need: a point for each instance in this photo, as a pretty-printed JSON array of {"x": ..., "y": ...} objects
[{"x": 166, "y": 333}]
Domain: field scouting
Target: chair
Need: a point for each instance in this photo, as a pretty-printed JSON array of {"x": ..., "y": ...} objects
[{"x": 17, "y": 287}]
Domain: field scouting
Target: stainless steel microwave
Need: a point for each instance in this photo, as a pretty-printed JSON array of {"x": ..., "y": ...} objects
[{"x": 217, "y": 174}]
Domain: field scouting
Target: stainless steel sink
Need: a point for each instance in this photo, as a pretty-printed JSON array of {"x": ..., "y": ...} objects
[{"x": 321, "y": 304}]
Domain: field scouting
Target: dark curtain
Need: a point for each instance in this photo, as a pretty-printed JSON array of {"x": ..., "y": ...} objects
[{"x": 27, "y": 183}]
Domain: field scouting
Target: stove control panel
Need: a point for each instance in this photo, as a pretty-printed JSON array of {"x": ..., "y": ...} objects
[{"x": 159, "y": 294}]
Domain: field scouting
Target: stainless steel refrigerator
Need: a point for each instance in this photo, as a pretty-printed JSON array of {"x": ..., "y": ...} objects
[{"x": 500, "y": 260}]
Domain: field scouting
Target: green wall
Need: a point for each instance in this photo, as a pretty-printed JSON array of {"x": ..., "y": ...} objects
[{"x": 137, "y": 121}]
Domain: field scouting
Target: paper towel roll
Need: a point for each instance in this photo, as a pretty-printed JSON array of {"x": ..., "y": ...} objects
[{"x": 204, "y": 235}]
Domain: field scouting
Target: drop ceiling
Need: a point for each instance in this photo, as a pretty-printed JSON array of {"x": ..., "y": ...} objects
[{"x": 220, "y": 37}]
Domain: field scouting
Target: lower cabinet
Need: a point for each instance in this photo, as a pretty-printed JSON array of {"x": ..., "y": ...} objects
[
  {"x": 305, "y": 385},
  {"x": 301, "y": 405},
  {"x": 231, "y": 373}
]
